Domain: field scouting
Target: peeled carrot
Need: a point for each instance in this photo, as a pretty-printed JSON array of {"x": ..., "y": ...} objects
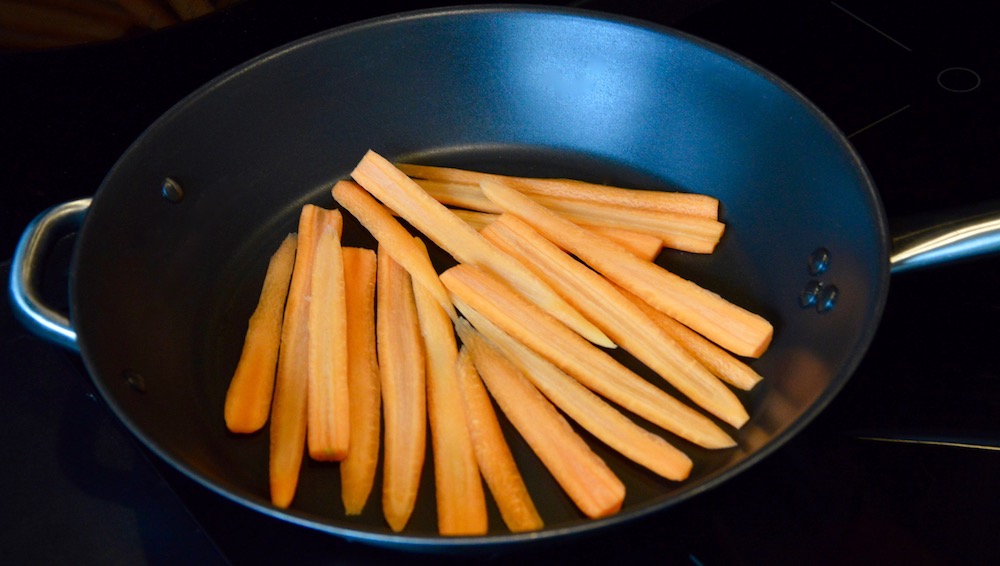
[
  {"x": 728, "y": 325},
  {"x": 329, "y": 426},
  {"x": 248, "y": 399},
  {"x": 461, "y": 502},
  {"x": 619, "y": 318},
  {"x": 291, "y": 384},
  {"x": 583, "y": 475},
  {"x": 401, "y": 194},
  {"x": 474, "y": 289},
  {"x": 496, "y": 463},
  {"x": 392, "y": 237},
  {"x": 357, "y": 470},
  {"x": 591, "y": 412},
  {"x": 151, "y": 13},
  {"x": 402, "y": 368},
  {"x": 685, "y": 203}
]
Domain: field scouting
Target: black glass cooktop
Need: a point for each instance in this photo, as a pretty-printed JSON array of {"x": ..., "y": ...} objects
[{"x": 899, "y": 468}]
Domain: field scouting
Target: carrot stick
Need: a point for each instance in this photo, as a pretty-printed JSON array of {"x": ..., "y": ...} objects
[
  {"x": 685, "y": 203},
  {"x": 461, "y": 502},
  {"x": 728, "y": 325},
  {"x": 619, "y": 318},
  {"x": 496, "y": 463},
  {"x": 191, "y": 9},
  {"x": 393, "y": 237},
  {"x": 248, "y": 399},
  {"x": 685, "y": 232},
  {"x": 720, "y": 362},
  {"x": 402, "y": 370},
  {"x": 56, "y": 22},
  {"x": 591, "y": 412},
  {"x": 329, "y": 427},
  {"x": 150, "y": 12},
  {"x": 582, "y": 474},
  {"x": 643, "y": 245},
  {"x": 291, "y": 384},
  {"x": 357, "y": 470},
  {"x": 397, "y": 191},
  {"x": 475, "y": 289}
]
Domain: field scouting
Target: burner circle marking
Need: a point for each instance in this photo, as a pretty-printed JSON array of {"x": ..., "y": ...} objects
[{"x": 959, "y": 79}]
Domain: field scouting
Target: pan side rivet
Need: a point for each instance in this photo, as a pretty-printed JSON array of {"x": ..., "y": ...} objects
[
  {"x": 819, "y": 261},
  {"x": 810, "y": 294},
  {"x": 135, "y": 380},
  {"x": 172, "y": 191},
  {"x": 827, "y": 298}
]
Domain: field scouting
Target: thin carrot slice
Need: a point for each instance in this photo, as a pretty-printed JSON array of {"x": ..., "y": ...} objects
[
  {"x": 291, "y": 383},
  {"x": 402, "y": 368},
  {"x": 393, "y": 237},
  {"x": 461, "y": 502},
  {"x": 493, "y": 299},
  {"x": 248, "y": 399},
  {"x": 685, "y": 232},
  {"x": 401, "y": 194},
  {"x": 496, "y": 463},
  {"x": 727, "y": 367},
  {"x": 329, "y": 425},
  {"x": 643, "y": 245},
  {"x": 685, "y": 203},
  {"x": 619, "y": 318},
  {"x": 583, "y": 475},
  {"x": 357, "y": 470},
  {"x": 591, "y": 412},
  {"x": 728, "y": 325}
]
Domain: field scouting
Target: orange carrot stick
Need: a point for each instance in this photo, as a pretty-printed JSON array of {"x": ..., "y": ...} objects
[
  {"x": 584, "y": 476},
  {"x": 401, "y": 194},
  {"x": 685, "y": 203},
  {"x": 393, "y": 237},
  {"x": 461, "y": 502},
  {"x": 291, "y": 384},
  {"x": 619, "y": 318},
  {"x": 329, "y": 426},
  {"x": 728, "y": 325},
  {"x": 248, "y": 399},
  {"x": 490, "y": 297},
  {"x": 357, "y": 470},
  {"x": 496, "y": 463},
  {"x": 402, "y": 367}
]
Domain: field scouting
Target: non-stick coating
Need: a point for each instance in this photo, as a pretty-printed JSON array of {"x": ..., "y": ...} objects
[{"x": 161, "y": 291}]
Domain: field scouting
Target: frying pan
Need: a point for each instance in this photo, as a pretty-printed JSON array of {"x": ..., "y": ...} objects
[{"x": 171, "y": 250}]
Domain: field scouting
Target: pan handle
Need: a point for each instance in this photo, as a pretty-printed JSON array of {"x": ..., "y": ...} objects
[
  {"x": 36, "y": 242},
  {"x": 967, "y": 234}
]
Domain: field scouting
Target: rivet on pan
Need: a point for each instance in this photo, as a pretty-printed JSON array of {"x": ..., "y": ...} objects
[
  {"x": 827, "y": 298},
  {"x": 809, "y": 294},
  {"x": 819, "y": 261},
  {"x": 172, "y": 191},
  {"x": 135, "y": 380}
]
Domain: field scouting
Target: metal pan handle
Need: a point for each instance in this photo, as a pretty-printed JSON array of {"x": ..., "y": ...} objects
[
  {"x": 36, "y": 242},
  {"x": 963, "y": 235}
]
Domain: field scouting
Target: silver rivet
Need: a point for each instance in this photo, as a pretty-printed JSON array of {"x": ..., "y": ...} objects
[
  {"x": 819, "y": 261},
  {"x": 135, "y": 380},
  {"x": 827, "y": 298},
  {"x": 172, "y": 191},
  {"x": 809, "y": 294}
]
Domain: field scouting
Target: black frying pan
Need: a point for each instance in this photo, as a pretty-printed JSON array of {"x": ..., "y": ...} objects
[{"x": 173, "y": 248}]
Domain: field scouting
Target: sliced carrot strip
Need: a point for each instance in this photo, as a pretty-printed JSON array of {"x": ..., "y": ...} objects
[
  {"x": 583, "y": 475},
  {"x": 685, "y": 203},
  {"x": 496, "y": 462},
  {"x": 494, "y": 300},
  {"x": 591, "y": 412},
  {"x": 357, "y": 470},
  {"x": 393, "y": 237},
  {"x": 248, "y": 399},
  {"x": 402, "y": 368},
  {"x": 329, "y": 425},
  {"x": 461, "y": 501},
  {"x": 728, "y": 325},
  {"x": 401, "y": 194},
  {"x": 619, "y": 318}
]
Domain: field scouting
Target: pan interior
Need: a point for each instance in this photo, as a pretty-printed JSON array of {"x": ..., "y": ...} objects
[{"x": 163, "y": 290}]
